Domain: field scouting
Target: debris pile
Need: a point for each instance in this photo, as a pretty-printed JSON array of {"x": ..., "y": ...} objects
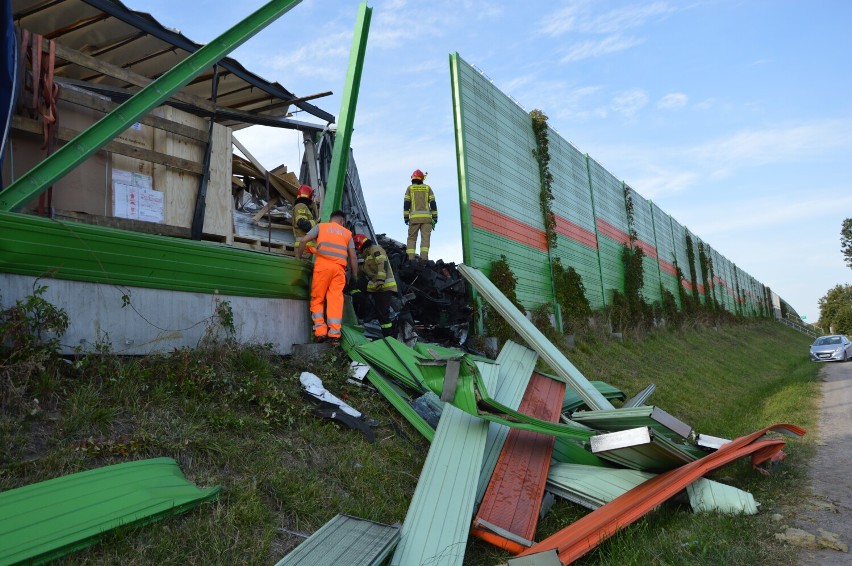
[{"x": 509, "y": 438}]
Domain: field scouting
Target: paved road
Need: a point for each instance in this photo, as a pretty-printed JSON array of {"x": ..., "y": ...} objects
[{"x": 831, "y": 469}]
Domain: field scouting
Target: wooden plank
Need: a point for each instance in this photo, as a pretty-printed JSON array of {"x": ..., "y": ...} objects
[
  {"x": 87, "y": 99},
  {"x": 285, "y": 188},
  {"x": 262, "y": 212},
  {"x": 66, "y": 134},
  {"x": 74, "y": 56},
  {"x": 133, "y": 225}
]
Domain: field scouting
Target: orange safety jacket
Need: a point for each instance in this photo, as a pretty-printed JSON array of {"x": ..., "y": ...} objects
[{"x": 333, "y": 243}]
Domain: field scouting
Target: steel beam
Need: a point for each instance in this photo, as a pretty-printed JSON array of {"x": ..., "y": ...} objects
[
  {"x": 87, "y": 143},
  {"x": 343, "y": 137},
  {"x": 178, "y": 40}
]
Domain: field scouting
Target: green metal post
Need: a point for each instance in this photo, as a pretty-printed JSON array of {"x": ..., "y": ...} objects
[
  {"x": 100, "y": 133},
  {"x": 343, "y": 137},
  {"x": 464, "y": 195}
]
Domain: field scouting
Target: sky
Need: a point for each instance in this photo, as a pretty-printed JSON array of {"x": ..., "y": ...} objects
[{"x": 733, "y": 116}]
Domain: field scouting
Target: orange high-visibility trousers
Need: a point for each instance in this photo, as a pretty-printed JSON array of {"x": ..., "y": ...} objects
[{"x": 327, "y": 290}]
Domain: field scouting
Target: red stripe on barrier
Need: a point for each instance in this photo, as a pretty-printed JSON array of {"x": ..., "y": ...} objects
[
  {"x": 506, "y": 226},
  {"x": 576, "y": 233}
]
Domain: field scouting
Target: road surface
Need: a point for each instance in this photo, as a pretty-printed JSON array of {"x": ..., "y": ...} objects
[{"x": 831, "y": 469}]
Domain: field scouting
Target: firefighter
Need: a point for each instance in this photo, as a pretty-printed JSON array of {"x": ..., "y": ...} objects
[
  {"x": 333, "y": 249},
  {"x": 379, "y": 282},
  {"x": 420, "y": 213},
  {"x": 303, "y": 215}
]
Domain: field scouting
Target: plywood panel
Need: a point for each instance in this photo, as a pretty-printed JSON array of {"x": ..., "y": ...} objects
[
  {"x": 219, "y": 214},
  {"x": 179, "y": 187}
]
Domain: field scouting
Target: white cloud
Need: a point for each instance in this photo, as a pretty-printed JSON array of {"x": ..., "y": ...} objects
[
  {"x": 326, "y": 58},
  {"x": 773, "y": 145},
  {"x": 663, "y": 182},
  {"x": 577, "y": 18},
  {"x": 630, "y": 102},
  {"x": 673, "y": 101},
  {"x": 596, "y": 48}
]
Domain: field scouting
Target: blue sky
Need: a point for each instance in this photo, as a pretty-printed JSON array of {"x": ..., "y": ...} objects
[{"x": 734, "y": 116}]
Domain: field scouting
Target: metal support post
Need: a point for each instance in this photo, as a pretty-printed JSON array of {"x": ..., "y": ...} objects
[
  {"x": 343, "y": 137},
  {"x": 201, "y": 198}
]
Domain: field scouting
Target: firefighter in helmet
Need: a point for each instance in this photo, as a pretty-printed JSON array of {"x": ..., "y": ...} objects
[
  {"x": 420, "y": 213},
  {"x": 379, "y": 285},
  {"x": 303, "y": 216}
]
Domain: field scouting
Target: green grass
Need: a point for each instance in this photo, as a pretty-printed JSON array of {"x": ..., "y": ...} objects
[{"x": 235, "y": 417}]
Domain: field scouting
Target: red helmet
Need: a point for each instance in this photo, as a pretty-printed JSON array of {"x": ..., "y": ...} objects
[
  {"x": 305, "y": 191},
  {"x": 418, "y": 174},
  {"x": 359, "y": 241}
]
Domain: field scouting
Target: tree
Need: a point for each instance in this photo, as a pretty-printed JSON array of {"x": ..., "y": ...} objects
[
  {"x": 846, "y": 240},
  {"x": 835, "y": 309}
]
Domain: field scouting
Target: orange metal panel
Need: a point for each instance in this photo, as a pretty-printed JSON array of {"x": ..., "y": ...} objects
[
  {"x": 583, "y": 535},
  {"x": 513, "y": 498}
]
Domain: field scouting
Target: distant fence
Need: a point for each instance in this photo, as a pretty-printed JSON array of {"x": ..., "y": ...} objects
[
  {"x": 595, "y": 214},
  {"x": 807, "y": 330}
]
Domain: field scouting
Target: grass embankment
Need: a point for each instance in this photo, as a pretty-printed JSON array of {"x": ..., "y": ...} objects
[{"x": 235, "y": 417}]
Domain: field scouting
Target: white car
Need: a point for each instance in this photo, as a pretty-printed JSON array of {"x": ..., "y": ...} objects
[{"x": 833, "y": 348}]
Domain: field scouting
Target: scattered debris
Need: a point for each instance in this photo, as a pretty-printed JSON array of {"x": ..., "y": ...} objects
[{"x": 330, "y": 407}]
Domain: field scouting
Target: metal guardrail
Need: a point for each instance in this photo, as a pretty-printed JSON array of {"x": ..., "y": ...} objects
[{"x": 799, "y": 327}]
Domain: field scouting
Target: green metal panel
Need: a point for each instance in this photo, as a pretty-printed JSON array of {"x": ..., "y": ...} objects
[
  {"x": 349, "y": 100},
  {"x": 592, "y": 486},
  {"x": 571, "y": 452},
  {"x": 345, "y": 540},
  {"x": 437, "y": 524},
  {"x": 609, "y": 197},
  {"x": 39, "y": 246},
  {"x": 529, "y": 265},
  {"x": 352, "y": 338},
  {"x": 535, "y": 339},
  {"x": 497, "y": 171},
  {"x": 643, "y": 223},
  {"x": 612, "y": 266},
  {"x": 634, "y": 417},
  {"x": 53, "y": 168},
  {"x": 572, "y": 401},
  {"x": 52, "y": 518}
]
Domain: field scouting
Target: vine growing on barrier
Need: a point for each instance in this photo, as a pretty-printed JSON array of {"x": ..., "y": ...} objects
[
  {"x": 542, "y": 155},
  {"x": 505, "y": 280},
  {"x": 690, "y": 256},
  {"x": 631, "y": 219},
  {"x": 571, "y": 297}
]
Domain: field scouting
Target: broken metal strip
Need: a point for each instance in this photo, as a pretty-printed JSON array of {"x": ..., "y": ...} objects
[
  {"x": 639, "y": 399},
  {"x": 451, "y": 380},
  {"x": 592, "y": 486},
  {"x": 514, "y": 495},
  {"x": 583, "y": 535},
  {"x": 201, "y": 197},
  {"x": 533, "y": 336},
  {"x": 437, "y": 524},
  {"x": 351, "y": 339},
  {"x": 622, "y": 419},
  {"x": 516, "y": 364},
  {"x": 53, "y": 168},
  {"x": 345, "y": 540},
  {"x": 349, "y": 100}
]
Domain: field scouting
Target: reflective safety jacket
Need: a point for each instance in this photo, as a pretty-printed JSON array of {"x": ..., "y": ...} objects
[
  {"x": 333, "y": 243},
  {"x": 378, "y": 270},
  {"x": 303, "y": 217},
  {"x": 419, "y": 205}
]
